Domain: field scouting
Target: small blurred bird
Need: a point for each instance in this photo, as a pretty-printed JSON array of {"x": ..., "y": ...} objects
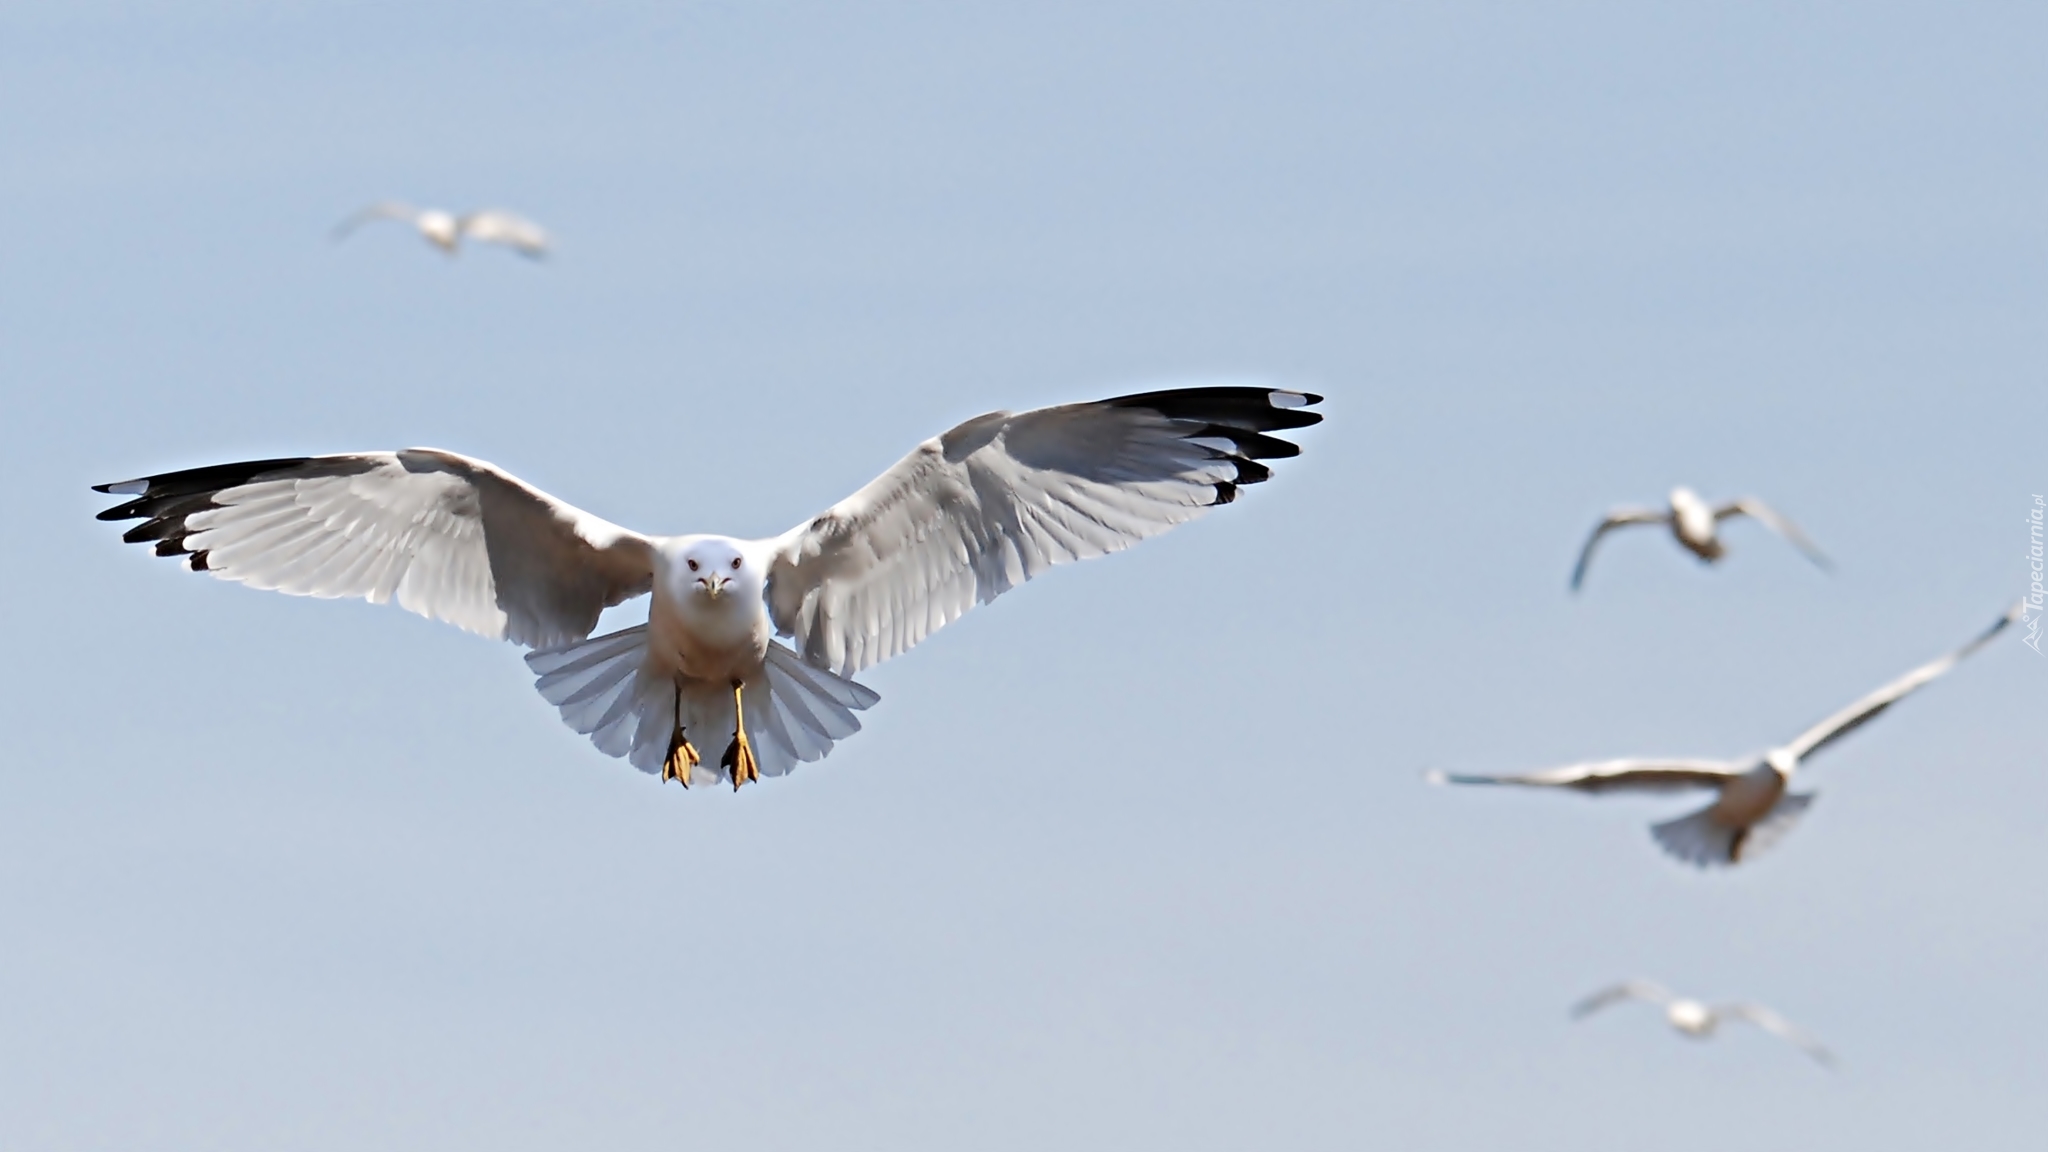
[
  {"x": 446, "y": 230},
  {"x": 1754, "y": 804},
  {"x": 1696, "y": 525},
  {"x": 1697, "y": 1020}
]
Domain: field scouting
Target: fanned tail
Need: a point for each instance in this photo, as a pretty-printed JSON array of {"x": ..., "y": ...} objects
[
  {"x": 1704, "y": 842},
  {"x": 604, "y": 689}
]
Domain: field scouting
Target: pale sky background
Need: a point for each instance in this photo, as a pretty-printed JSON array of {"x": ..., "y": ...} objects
[{"x": 1140, "y": 856}]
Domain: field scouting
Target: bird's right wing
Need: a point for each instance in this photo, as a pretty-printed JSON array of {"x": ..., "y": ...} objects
[
  {"x": 1620, "y": 517},
  {"x": 1631, "y": 775},
  {"x": 1762, "y": 513},
  {"x": 1778, "y": 1026},
  {"x": 1865, "y": 710},
  {"x": 447, "y": 536},
  {"x": 1616, "y": 993},
  {"x": 497, "y": 226},
  {"x": 382, "y": 210}
]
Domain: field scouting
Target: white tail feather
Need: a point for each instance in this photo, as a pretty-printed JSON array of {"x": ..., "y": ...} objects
[
  {"x": 1705, "y": 842},
  {"x": 604, "y": 689}
]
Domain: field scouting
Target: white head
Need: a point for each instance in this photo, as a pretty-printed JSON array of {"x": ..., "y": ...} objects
[{"x": 701, "y": 571}]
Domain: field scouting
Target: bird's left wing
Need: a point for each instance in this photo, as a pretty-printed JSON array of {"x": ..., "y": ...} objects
[
  {"x": 1634, "y": 775},
  {"x": 1616, "y": 993},
  {"x": 1777, "y": 1026},
  {"x": 1865, "y": 710},
  {"x": 496, "y": 226},
  {"x": 447, "y": 536},
  {"x": 382, "y": 210},
  {"x": 1762, "y": 513},
  {"x": 979, "y": 510}
]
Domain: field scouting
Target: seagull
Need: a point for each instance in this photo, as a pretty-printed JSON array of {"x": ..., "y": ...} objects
[
  {"x": 1698, "y": 1020},
  {"x": 963, "y": 518},
  {"x": 1755, "y": 805},
  {"x": 1696, "y": 525},
  {"x": 446, "y": 230}
]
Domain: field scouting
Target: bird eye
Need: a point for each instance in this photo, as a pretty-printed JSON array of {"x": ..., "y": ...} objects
[
  {"x": 735, "y": 563},
  {"x": 693, "y": 565}
]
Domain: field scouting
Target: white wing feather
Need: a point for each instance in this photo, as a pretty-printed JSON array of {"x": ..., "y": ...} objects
[
  {"x": 1867, "y": 709},
  {"x": 446, "y": 536},
  {"x": 496, "y": 226},
  {"x": 973, "y": 513}
]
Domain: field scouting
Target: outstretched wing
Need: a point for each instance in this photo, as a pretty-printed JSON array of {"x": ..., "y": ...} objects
[
  {"x": 1761, "y": 512},
  {"x": 1865, "y": 710},
  {"x": 382, "y": 210},
  {"x": 1628, "y": 775},
  {"x": 1616, "y": 993},
  {"x": 973, "y": 513},
  {"x": 1620, "y": 517},
  {"x": 496, "y": 226},
  {"x": 1777, "y": 1026},
  {"x": 448, "y": 537}
]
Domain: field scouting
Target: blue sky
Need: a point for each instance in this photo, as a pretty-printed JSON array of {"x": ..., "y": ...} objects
[{"x": 1139, "y": 856}]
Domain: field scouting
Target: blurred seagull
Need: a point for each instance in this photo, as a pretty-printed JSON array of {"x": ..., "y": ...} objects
[
  {"x": 1754, "y": 807},
  {"x": 963, "y": 518},
  {"x": 447, "y": 231},
  {"x": 1699, "y": 1020},
  {"x": 1696, "y": 525}
]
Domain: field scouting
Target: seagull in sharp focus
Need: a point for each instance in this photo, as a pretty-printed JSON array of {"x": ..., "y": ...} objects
[
  {"x": 1699, "y": 1021},
  {"x": 965, "y": 517},
  {"x": 1696, "y": 525},
  {"x": 447, "y": 230},
  {"x": 1754, "y": 805}
]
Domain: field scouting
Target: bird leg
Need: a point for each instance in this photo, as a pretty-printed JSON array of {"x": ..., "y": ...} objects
[
  {"x": 739, "y": 756},
  {"x": 682, "y": 756}
]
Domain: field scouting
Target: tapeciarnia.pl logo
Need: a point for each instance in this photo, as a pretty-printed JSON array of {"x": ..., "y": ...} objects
[{"x": 2031, "y": 616}]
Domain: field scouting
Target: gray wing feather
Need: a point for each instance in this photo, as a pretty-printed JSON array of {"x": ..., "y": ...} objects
[
  {"x": 1635, "y": 775},
  {"x": 968, "y": 515},
  {"x": 1778, "y": 1026},
  {"x": 383, "y": 210},
  {"x": 1867, "y": 709},
  {"x": 446, "y": 536},
  {"x": 1763, "y": 514},
  {"x": 1616, "y": 993},
  {"x": 1618, "y": 518},
  {"x": 496, "y": 226}
]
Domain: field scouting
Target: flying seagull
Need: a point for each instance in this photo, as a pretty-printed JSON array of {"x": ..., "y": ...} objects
[
  {"x": 1755, "y": 805},
  {"x": 446, "y": 230},
  {"x": 963, "y": 518},
  {"x": 1696, "y": 525},
  {"x": 1698, "y": 1020}
]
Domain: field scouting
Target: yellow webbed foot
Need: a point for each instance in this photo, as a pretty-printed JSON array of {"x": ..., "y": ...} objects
[
  {"x": 682, "y": 755},
  {"x": 739, "y": 755}
]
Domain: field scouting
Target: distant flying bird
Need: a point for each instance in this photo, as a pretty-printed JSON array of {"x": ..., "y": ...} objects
[
  {"x": 1696, "y": 525},
  {"x": 1698, "y": 1020},
  {"x": 963, "y": 518},
  {"x": 447, "y": 231},
  {"x": 1755, "y": 806}
]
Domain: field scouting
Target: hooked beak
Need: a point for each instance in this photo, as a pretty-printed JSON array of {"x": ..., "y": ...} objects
[{"x": 713, "y": 584}]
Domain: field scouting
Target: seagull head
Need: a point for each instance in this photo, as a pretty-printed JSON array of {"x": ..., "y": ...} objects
[{"x": 712, "y": 568}]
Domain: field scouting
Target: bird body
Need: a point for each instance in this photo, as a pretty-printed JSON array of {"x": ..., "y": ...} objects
[
  {"x": 1698, "y": 1020},
  {"x": 1696, "y": 525},
  {"x": 1753, "y": 804},
  {"x": 961, "y": 519}
]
